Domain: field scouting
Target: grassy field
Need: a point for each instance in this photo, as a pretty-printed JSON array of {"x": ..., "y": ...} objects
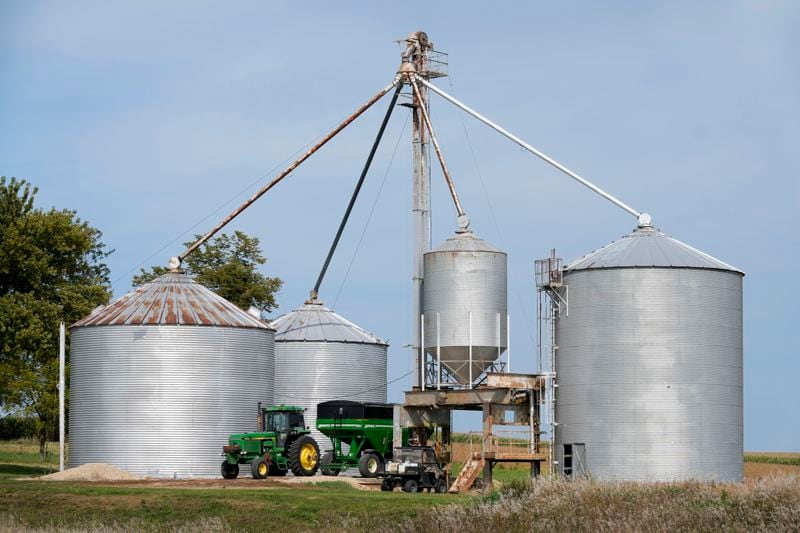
[
  {"x": 774, "y": 458},
  {"x": 139, "y": 506},
  {"x": 21, "y": 458},
  {"x": 766, "y": 503}
]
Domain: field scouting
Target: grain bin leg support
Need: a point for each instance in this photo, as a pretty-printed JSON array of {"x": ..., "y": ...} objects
[{"x": 487, "y": 445}]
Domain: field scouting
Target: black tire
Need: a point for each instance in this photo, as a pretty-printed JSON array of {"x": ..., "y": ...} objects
[
  {"x": 259, "y": 468},
  {"x": 387, "y": 485},
  {"x": 229, "y": 471},
  {"x": 411, "y": 485},
  {"x": 325, "y": 460},
  {"x": 370, "y": 465},
  {"x": 304, "y": 456},
  {"x": 441, "y": 486}
]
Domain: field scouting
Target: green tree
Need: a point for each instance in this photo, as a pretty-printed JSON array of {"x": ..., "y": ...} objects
[
  {"x": 51, "y": 269},
  {"x": 227, "y": 265}
]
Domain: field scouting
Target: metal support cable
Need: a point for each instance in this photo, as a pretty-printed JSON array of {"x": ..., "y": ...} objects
[
  {"x": 438, "y": 149},
  {"x": 371, "y": 213},
  {"x": 364, "y": 171},
  {"x": 175, "y": 262},
  {"x": 523, "y": 144}
]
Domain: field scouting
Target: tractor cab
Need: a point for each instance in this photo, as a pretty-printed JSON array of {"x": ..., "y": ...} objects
[{"x": 283, "y": 421}]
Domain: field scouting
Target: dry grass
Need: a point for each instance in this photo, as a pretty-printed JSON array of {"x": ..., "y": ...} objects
[
  {"x": 753, "y": 471},
  {"x": 10, "y": 524},
  {"x": 768, "y": 504}
]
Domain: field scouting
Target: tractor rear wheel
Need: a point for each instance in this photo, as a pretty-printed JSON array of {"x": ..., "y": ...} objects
[
  {"x": 387, "y": 485},
  {"x": 304, "y": 456},
  {"x": 441, "y": 486},
  {"x": 327, "y": 458},
  {"x": 229, "y": 471},
  {"x": 370, "y": 465},
  {"x": 259, "y": 468},
  {"x": 410, "y": 486}
]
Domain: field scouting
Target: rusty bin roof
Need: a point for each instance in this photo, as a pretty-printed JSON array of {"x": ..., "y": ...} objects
[{"x": 173, "y": 299}]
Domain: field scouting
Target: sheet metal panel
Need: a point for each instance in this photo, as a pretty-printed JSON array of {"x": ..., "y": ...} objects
[
  {"x": 463, "y": 275},
  {"x": 161, "y": 400},
  {"x": 171, "y": 299},
  {"x": 316, "y": 322},
  {"x": 649, "y": 367},
  {"x": 648, "y": 247},
  {"x": 312, "y": 372}
]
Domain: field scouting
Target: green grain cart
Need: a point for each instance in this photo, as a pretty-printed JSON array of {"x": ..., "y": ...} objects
[{"x": 365, "y": 427}]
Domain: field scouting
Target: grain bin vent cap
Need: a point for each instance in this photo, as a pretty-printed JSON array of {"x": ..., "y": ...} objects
[
  {"x": 648, "y": 247},
  {"x": 316, "y": 323},
  {"x": 173, "y": 299}
]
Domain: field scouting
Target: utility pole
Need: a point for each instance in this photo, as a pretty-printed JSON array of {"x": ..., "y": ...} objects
[{"x": 61, "y": 387}]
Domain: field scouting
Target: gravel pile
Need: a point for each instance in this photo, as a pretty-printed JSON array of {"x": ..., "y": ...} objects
[{"x": 91, "y": 472}]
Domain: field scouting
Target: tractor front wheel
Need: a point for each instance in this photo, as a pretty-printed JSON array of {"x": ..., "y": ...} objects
[
  {"x": 304, "y": 456},
  {"x": 259, "y": 468},
  {"x": 370, "y": 465},
  {"x": 229, "y": 471}
]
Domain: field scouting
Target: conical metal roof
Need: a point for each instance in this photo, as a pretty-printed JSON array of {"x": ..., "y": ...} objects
[
  {"x": 315, "y": 322},
  {"x": 173, "y": 299},
  {"x": 465, "y": 241},
  {"x": 648, "y": 247}
]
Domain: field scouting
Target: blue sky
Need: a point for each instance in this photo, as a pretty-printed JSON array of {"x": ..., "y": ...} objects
[{"x": 147, "y": 117}]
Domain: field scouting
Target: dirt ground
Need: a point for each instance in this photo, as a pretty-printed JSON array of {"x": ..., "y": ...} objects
[
  {"x": 243, "y": 482},
  {"x": 752, "y": 472}
]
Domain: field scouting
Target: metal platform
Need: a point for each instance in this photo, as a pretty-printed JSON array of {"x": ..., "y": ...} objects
[{"x": 504, "y": 399}]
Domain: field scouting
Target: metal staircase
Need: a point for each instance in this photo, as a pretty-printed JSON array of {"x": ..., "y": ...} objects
[{"x": 468, "y": 475}]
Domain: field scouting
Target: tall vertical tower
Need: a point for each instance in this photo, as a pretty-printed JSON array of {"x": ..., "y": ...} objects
[{"x": 427, "y": 64}]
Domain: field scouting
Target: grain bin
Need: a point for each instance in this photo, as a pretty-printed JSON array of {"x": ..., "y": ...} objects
[
  {"x": 321, "y": 356},
  {"x": 160, "y": 378},
  {"x": 649, "y": 363},
  {"x": 465, "y": 291}
]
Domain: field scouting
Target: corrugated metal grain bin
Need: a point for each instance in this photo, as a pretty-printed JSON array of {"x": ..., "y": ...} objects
[
  {"x": 649, "y": 363},
  {"x": 466, "y": 286},
  {"x": 321, "y": 356},
  {"x": 160, "y": 378}
]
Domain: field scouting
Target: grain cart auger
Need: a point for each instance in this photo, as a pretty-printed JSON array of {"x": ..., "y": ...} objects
[
  {"x": 282, "y": 443},
  {"x": 365, "y": 427}
]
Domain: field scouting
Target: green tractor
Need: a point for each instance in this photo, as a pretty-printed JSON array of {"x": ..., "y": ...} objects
[{"x": 282, "y": 443}]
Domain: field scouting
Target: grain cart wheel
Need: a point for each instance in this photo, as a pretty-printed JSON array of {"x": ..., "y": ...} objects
[
  {"x": 410, "y": 486},
  {"x": 259, "y": 468},
  {"x": 304, "y": 456},
  {"x": 327, "y": 458},
  {"x": 229, "y": 471},
  {"x": 370, "y": 465},
  {"x": 387, "y": 485}
]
